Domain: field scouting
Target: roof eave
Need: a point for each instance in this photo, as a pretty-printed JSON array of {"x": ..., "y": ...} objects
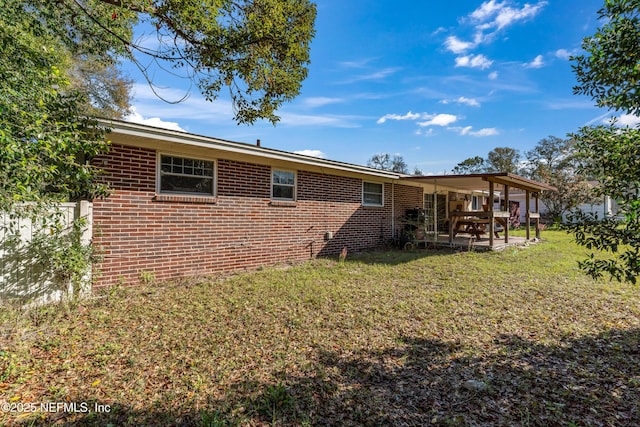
[{"x": 145, "y": 131}]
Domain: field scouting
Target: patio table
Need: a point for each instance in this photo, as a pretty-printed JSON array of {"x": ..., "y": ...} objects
[{"x": 473, "y": 221}]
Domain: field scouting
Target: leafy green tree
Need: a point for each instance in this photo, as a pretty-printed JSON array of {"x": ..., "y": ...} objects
[
  {"x": 258, "y": 49},
  {"x": 107, "y": 90},
  {"x": 550, "y": 154},
  {"x": 610, "y": 74},
  {"x": 612, "y": 156},
  {"x": 553, "y": 161},
  {"x": 471, "y": 165},
  {"x": 384, "y": 161},
  {"x": 44, "y": 137},
  {"x": 503, "y": 159},
  {"x": 45, "y": 144}
]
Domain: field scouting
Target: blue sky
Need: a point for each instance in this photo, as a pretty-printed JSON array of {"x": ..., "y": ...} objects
[{"x": 435, "y": 82}]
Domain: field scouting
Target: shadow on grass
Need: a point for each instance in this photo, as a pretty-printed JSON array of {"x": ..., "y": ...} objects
[
  {"x": 590, "y": 381},
  {"x": 398, "y": 256}
]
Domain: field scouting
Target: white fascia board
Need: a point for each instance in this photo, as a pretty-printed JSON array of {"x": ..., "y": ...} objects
[{"x": 148, "y": 132}]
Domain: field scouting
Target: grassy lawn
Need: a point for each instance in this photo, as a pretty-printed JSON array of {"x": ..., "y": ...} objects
[{"x": 516, "y": 338}]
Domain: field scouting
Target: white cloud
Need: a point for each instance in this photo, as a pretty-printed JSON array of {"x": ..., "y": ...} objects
[
  {"x": 468, "y": 130},
  {"x": 427, "y": 132},
  {"x": 625, "y": 120},
  {"x": 192, "y": 107},
  {"x": 439, "y": 120},
  {"x": 462, "y": 100},
  {"x": 438, "y": 31},
  {"x": 493, "y": 75},
  {"x": 358, "y": 63},
  {"x": 485, "y": 132},
  {"x": 492, "y": 16},
  {"x": 298, "y": 120},
  {"x": 312, "y": 153},
  {"x": 320, "y": 101},
  {"x": 569, "y": 103},
  {"x": 473, "y": 61},
  {"x": 136, "y": 117},
  {"x": 375, "y": 75},
  {"x": 500, "y": 15},
  {"x": 537, "y": 62},
  {"x": 565, "y": 54},
  {"x": 408, "y": 116},
  {"x": 486, "y": 10},
  {"x": 455, "y": 45},
  {"x": 468, "y": 101}
]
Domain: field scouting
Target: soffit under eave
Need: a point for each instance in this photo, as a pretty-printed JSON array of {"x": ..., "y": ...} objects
[
  {"x": 480, "y": 182},
  {"x": 213, "y": 152},
  {"x": 516, "y": 182}
]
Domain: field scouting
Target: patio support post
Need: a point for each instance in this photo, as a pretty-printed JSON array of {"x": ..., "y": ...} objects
[
  {"x": 508, "y": 209},
  {"x": 492, "y": 227},
  {"x": 435, "y": 209},
  {"x": 537, "y": 199},
  {"x": 528, "y": 213}
]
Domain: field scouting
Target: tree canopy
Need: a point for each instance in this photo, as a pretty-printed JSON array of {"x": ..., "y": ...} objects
[
  {"x": 610, "y": 74},
  {"x": 553, "y": 161},
  {"x": 107, "y": 91},
  {"x": 384, "y": 161},
  {"x": 471, "y": 165},
  {"x": 44, "y": 137},
  {"x": 258, "y": 49},
  {"x": 503, "y": 159},
  {"x": 500, "y": 159},
  {"x": 613, "y": 158}
]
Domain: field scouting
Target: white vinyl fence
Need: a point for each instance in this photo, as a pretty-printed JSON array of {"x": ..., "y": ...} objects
[{"x": 23, "y": 274}]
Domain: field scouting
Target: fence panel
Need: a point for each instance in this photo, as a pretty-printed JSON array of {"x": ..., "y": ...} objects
[{"x": 22, "y": 274}]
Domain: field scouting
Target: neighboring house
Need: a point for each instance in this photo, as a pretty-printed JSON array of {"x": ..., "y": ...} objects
[
  {"x": 187, "y": 205},
  {"x": 606, "y": 206}
]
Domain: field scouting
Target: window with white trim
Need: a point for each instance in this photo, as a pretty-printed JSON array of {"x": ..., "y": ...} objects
[
  {"x": 372, "y": 194},
  {"x": 283, "y": 184},
  {"x": 181, "y": 175}
]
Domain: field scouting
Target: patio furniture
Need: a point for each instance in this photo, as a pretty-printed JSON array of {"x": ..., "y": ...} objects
[{"x": 475, "y": 222}]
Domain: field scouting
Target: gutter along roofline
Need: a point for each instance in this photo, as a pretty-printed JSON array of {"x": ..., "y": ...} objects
[{"x": 188, "y": 139}]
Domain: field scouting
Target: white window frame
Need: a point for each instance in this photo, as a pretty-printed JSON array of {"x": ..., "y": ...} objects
[
  {"x": 295, "y": 184},
  {"x": 381, "y": 184},
  {"x": 159, "y": 174}
]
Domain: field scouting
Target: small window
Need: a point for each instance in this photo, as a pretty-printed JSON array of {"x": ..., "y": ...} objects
[
  {"x": 372, "y": 194},
  {"x": 186, "y": 176},
  {"x": 475, "y": 203},
  {"x": 283, "y": 185}
]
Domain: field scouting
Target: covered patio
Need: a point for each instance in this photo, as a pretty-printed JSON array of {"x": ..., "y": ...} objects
[{"x": 477, "y": 209}]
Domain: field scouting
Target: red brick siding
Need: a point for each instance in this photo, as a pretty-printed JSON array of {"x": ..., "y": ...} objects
[
  {"x": 242, "y": 229},
  {"x": 406, "y": 197},
  {"x": 243, "y": 179}
]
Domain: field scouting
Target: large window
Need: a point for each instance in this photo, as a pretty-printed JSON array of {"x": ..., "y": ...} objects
[
  {"x": 186, "y": 176},
  {"x": 283, "y": 185},
  {"x": 372, "y": 194}
]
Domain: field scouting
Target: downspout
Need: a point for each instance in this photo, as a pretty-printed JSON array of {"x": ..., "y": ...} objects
[{"x": 393, "y": 210}]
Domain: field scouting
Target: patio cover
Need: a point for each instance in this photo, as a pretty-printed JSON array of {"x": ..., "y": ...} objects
[{"x": 480, "y": 182}]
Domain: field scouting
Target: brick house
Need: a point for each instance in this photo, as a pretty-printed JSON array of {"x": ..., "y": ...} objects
[{"x": 186, "y": 205}]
